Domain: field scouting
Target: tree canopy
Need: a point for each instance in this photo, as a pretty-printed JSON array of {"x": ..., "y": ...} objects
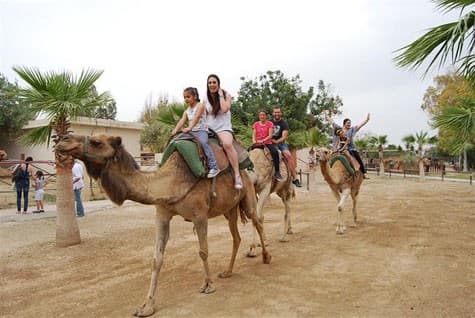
[{"x": 13, "y": 113}]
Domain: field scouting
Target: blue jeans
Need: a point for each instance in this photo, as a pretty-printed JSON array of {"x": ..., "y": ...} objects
[
  {"x": 22, "y": 187},
  {"x": 202, "y": 136},
  {"x": 79, "y": 206}
]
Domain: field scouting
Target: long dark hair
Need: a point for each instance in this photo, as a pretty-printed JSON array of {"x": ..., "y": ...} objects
[{"x": 213, "y": 98}]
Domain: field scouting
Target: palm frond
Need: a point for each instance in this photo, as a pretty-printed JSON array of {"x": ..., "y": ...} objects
[
  {"x": 448, "y": 5},
  {"x": 439, "y": 43},
  {"x": 37, "y": 136}
]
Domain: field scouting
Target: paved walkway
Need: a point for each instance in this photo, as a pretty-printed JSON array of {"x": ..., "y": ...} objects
[{"x": 10, "y": 215}]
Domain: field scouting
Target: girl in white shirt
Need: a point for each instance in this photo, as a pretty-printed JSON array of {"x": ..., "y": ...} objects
[
  {"x": 218, "y": 105},
  {"x": 195, "y": 114}
]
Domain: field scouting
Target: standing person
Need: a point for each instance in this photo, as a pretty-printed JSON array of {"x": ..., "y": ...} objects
[
  {"x": 281, "y": 132},
  {"x": 262, "y": 132},
  {"x": 40, "y": 183},
  {"x": 350, "y": 132},
  {"x": 195, "y": 114},
  {"x": 78, "y": 184},
  {"x": 218, "y": 106},
  {"x": 22, "y": 174}
]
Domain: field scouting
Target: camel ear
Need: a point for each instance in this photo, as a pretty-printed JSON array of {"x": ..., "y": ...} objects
[{"x": 116, "y": 142}]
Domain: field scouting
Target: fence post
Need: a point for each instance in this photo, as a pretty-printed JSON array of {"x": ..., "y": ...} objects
[{"x": 470, "y": 179}]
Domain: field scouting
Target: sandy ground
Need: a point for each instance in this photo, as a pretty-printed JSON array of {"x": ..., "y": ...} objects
[{"x": 411, "y": 255}]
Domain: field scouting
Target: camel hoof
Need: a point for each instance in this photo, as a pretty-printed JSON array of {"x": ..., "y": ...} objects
[
  {"x": 144, "y": 311},
  {"x": 284, "y": 240},
  {"x": 290, "y": 231},
  {"x": 251, "y": 253},
  {"x": 340, "y": 209},
  {"x": 266, "y": 258},
  {"x": 225, "y": 274},
  {"x": 207, "y": 288},
  {"x": 340, "y": 229}
]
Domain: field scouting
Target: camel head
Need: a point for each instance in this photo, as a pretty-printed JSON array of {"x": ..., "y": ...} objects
[
  {"x": 95, "y": 151},
  {"x": 323, "y": 154},
  {"x": 3, "y": 155}
]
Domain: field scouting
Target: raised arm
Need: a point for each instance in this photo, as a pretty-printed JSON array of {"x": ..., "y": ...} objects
[
  {"x": 364, "y": 122},
  {"x": 330, "y": 120},
  {"x": 224, "y": 100}
]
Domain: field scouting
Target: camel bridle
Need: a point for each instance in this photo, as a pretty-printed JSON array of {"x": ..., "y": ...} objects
[{"x": 90, "y": 155}]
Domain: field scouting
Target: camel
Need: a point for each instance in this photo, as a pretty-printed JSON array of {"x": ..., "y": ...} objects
[
  {"x": 265, "y": 184},
  {"x": 174, "y": 190},
  {"x": 341, "y": 181}
]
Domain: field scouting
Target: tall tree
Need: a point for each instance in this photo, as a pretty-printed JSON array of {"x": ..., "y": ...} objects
[
  {"x": 459, "y": 122},
  {"x": 270, "y": 89},
  {"x": 324, "y": 100},
  {"x": 60, "y": 97},
  {"x": 451, "y": 41},
  {"x": 300, "y": 107},
  {"x": 381, "y": 141},
  {"x": 13, "y": 113},
  {"x": 409, "y": 141}
]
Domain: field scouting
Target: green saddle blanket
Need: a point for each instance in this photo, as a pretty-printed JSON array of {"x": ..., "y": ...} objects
[
  {"x": 344, "y": 161},
  {"x": 188, "y": 149}
]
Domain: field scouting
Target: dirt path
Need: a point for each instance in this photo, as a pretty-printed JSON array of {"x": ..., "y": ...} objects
[{"x": 412, "y": 255}]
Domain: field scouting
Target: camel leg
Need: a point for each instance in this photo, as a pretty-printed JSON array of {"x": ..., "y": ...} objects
[
  {"x": 287, "y": 224},
  {"x": 266, "y": 257},
  {"x": 162, "y": 234},
  {"x": 263, "y": 195},
  {"x": 201, "y": 226},
  {"x": 354, "y": 197},
  {"x": 340, "y": 226},
  {"x": 232, "y": 222}
]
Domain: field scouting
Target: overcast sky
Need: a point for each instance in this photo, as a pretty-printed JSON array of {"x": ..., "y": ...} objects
[{"x": 153, "y": 48}]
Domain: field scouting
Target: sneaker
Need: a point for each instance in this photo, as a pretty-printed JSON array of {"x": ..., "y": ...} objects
[
  {"x": 296, "y": 182},
  {"x": 278, "y": 176},
  {"x": 42, "y": 211},
  {"x": 238, "y": 182},
  {"x": 36, "y": 211},
  {"x": 365, "y": 176},
  {"x": 213, "y": 173}
]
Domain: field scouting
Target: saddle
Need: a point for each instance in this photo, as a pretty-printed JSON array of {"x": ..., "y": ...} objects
[
  {"x": 192, "y": 152},
  {"x": 342, "y": 158}
]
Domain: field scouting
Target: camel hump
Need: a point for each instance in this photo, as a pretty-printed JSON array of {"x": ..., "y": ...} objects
[{"x": 344, "y": 161}]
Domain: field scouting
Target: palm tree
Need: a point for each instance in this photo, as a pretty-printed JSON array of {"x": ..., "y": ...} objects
[
  {"x": 445, "y": 41},
  {"x": 409, "y": 141},
  {"x": 422, "y": 138},
  {"x": 60, "y": 97},
  {"x": 459, "y": 121},
  {"x": 381, "y": 141}
]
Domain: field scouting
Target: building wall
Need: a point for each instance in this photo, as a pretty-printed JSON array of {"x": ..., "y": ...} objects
[{"x": 128, "y": 131}]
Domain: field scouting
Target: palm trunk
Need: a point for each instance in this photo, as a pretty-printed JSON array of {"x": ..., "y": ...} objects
[
  {"x": 381, "y": 162},
  {"x": 465, "y": 161},
  {"x": 67, "y": 229},
  {"x": 421, "y": 163}
]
